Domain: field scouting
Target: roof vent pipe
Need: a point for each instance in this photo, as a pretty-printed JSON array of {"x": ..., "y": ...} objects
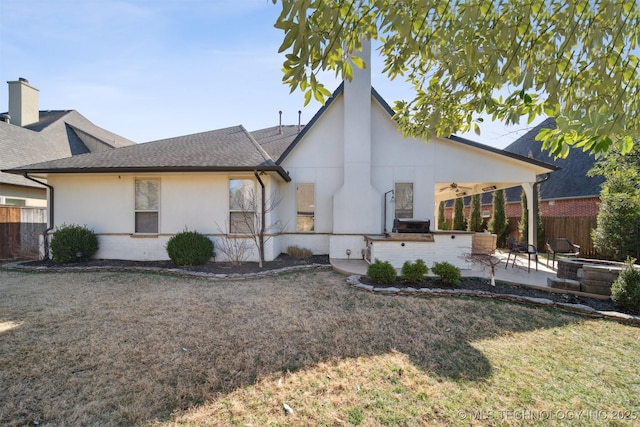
[
  {"x": 280, "y": 125},
  {"x": 299, "y": 118}
]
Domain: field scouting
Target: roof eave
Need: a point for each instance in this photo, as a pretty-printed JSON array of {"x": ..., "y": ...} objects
[
  {"x": 152, "y": 169},
  {"x": 470, "y": 143}
]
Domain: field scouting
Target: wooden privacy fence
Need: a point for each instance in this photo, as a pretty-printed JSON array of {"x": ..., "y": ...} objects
[
  {"x": 575, "y": 228},
  {"x": 20, "y": 231}
]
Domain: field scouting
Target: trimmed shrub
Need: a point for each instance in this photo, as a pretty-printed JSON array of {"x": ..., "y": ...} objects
[
  {"x": 625, "y": 291},
  {"x": 413, "y": 272},
  {"x": 73, "y": 243},
  {"x": 448, "y": 273},
  {"x": 381, "y": 272},
  {"x": 297, "y": 252},
  {"x": 189, "y": 248}
]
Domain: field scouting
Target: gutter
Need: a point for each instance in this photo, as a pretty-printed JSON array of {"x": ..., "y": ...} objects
[
  {"x": 263, "y": 217},
  {"x": 50, "y": 207}
]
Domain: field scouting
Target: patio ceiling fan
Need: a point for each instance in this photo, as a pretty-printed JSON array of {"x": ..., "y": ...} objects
[{"x": 455, "y": 187}]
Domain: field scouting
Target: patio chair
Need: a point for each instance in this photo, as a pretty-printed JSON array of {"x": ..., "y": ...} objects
[
  {"x": 561, "y": 246},
  {"x": 516, "y": 248}
]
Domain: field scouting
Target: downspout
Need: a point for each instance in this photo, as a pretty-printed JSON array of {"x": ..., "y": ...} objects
[
  {"x": 535, "y": 205},
  {"x": 263, "y": 217},
  {"x": 50, "y": 205}
]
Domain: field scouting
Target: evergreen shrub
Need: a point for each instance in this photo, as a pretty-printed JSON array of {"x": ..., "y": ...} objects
[
  {"x": 73, "y": 243},
  {"x": 625, "y": 291},
  {"x": 189, "y": 248},
  {"x": 381, "y": 272},
  {"x": 448, "y": 273},
  {"x": 413, "y": 272}
]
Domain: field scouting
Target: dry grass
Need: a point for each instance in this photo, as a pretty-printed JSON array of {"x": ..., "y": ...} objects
[{"x": 125, "y": 349}]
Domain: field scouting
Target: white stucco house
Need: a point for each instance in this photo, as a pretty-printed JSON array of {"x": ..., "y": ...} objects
[{"x": 340, "y": 181}]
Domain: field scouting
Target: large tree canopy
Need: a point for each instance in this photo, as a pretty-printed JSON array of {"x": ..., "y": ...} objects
[{"x": 576, "y": 61}]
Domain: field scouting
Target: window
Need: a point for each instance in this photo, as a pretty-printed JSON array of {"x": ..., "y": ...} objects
[
  {"x": 404, "y": 199},
  {"x": 147, "y": 197},
  {"x": 305, "y": 207},
  {"x": 15, "y": 202},
  {"x": 242, "y": 206}
]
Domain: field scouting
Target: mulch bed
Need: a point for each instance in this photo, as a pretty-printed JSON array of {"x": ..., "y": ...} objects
[{"x": 283, "y": 261}]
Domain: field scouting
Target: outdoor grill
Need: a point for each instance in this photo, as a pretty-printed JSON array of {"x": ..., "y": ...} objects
[{"x": 401, "y": 225}]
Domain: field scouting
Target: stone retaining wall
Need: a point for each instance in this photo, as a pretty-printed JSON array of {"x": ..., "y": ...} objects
[{"x": 593, "y": 276}]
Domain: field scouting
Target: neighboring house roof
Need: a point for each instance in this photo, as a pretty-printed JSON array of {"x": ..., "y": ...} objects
[
  {"x": 58, "y": 134},
  {"x": 571, "y": 180},
  {"x": 229, "y": 149}
]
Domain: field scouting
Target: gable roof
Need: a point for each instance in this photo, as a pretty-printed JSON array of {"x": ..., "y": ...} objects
[
  {"x": 228, "y": 149},
  {"x": 571, "y": 180},
  {"x": 389, "y": 110},
  {"x": 56, "y": 135}
]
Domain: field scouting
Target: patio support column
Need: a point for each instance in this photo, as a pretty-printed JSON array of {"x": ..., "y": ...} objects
[{"x": 527, "y": 187}]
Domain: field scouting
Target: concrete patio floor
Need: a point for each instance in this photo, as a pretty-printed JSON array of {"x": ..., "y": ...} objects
[{"x": 517, "y": 274}]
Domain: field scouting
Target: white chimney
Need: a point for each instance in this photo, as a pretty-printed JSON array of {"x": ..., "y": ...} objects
[
  {"x": 23, "y": 103},
  {"x": 357, "y": 203}
]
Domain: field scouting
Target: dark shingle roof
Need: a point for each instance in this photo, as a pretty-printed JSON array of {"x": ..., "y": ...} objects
[
  {"x": 58, "y": 134},
  {"x": 275, "y": 140},
  {"x": 571, "y": 181},
  {"x": 226, "y": 149}
]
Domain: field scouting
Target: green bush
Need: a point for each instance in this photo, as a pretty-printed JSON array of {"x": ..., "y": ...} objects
[
  {"x": 625, "y": 291},
  {"x": 189, "y": 248},
  {"x": 448, "y": 273},
  {"x": 381, "y": 273},
  {"x": 413, "y": 272},
  {"x": 73, "y": 243}
]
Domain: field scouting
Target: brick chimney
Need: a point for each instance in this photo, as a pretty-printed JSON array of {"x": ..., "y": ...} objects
[{"x": 23, "y": 103}]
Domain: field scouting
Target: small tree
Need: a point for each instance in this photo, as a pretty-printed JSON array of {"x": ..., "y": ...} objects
[
  {"x": 499, "y": 224},
  {"x": 249, "y": 222},
  {"x": 617, "y": 235},
  {"x": 442, "y": 220},
  {"x": 523, "y": 227},
  {"x": 486, "y": 262},
  {"x": 475, "y": 216},
  {"x": 458, "y": 215}
]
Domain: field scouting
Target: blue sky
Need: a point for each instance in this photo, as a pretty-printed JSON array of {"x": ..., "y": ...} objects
[{"x": 149, "y": 69}]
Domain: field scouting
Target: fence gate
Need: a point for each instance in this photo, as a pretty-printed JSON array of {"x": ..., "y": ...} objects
[{"x": 20, "y": 229}]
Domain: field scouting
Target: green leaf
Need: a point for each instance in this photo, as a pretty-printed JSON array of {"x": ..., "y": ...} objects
[{"x": 358, "y": 62}]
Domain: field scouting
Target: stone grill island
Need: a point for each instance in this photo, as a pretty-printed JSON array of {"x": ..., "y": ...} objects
[{"x": 412, "y": 239}]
